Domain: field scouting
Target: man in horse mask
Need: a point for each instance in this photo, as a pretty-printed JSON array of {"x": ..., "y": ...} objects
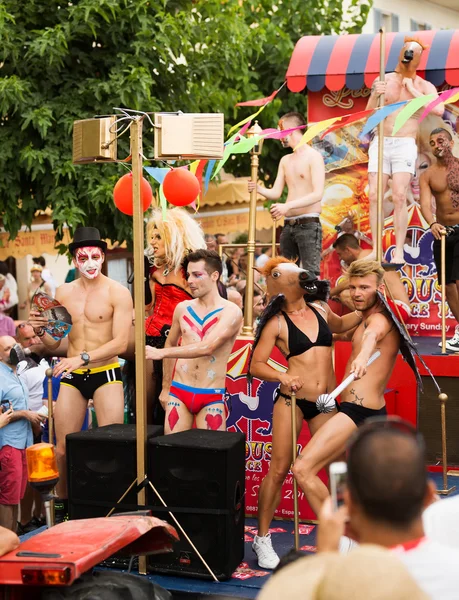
[{"x": 400, "y": 150}]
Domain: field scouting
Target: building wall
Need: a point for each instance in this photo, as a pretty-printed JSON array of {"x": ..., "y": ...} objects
[{"x": 410, "y": 15}]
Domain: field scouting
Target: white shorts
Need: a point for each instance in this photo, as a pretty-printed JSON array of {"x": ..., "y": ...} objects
[{"x": 399, "y": 155}]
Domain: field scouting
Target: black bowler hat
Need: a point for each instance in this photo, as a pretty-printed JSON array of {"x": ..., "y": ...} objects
[{"x": 87, "y": 236}]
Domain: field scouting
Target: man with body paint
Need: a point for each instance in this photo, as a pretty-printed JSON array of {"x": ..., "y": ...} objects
[
  {"x": 208, "y": 326},
  {"x": 400, "y": 150},
  {"x": 442, "y": 181},
  {"x": 101, "y": 311},
  {"x": 303, "y": 172}
]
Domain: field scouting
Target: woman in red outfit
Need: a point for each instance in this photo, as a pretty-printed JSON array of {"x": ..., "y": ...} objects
[{"x": 171, "y": 239}]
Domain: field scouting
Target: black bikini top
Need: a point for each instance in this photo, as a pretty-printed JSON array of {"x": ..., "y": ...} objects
[{"x": 299, "y": 342}]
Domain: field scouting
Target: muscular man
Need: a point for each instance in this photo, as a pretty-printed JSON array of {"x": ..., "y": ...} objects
[
  {"x": 304, "y": 174},
  {"x": 302, "y": 330},
  {"x": 208, "y": 326},
  {"x": 442, "y": 181},
  {"x": 101, "y": 311},
  {"x": 364, "y": 398},
  {"x": 400, "y": 151},
  {"x": 348, "y": 250}
]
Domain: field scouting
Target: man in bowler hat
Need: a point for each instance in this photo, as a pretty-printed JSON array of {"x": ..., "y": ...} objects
[{"x": 101, "y": 311}]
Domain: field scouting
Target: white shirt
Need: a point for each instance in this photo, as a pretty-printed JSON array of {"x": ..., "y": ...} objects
[
  {"x": 33, "y": 380},
  {"x": 47, "y": 276},
  {"x": 433, "y": 566},
  {"x": 441, "y": 521},
  {"x": 262, "y": 260}
]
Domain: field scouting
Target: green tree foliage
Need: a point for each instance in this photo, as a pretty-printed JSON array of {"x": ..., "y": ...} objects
[{"x": 63, "y": 61}]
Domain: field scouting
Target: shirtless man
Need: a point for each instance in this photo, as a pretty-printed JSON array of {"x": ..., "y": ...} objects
[
  {"x": 364, "y": 398},
  {"x": 101, "y": 311},
  {"x": 302, "y": 331},
  {"x": 304, "y": 174},
  {"x": 400, "y": 151},
  {"x": 208, "y": 326},
  {"x": 442, "y": 181},
  {"x": 348, "y": 250}
]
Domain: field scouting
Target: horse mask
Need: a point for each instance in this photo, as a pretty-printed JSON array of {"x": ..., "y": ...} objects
[
  {"x": 287, "y": 278},
  {"x": 410, "y": 57}
]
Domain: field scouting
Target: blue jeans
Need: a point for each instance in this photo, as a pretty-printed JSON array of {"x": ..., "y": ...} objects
[{"x": 304, "y": 242}]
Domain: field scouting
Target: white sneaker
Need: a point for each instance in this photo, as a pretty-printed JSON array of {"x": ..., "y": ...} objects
[
  {"x": 263, "y": 548},
  {"x": 454, "y": 341}
]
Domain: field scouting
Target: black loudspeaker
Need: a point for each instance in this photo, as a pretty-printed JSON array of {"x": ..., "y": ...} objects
[
  {"x": 101, "y": 465},
  {"x": 200, "y": 475},
  {"x": 429, "y": 418}
]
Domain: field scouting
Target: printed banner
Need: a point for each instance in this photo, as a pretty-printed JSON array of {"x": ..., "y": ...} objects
[{"x": 251, "y": 409}]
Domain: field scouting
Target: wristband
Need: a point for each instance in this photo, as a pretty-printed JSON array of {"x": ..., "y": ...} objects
[
  {"x": 40, "y": 331},
  {"x": 434, "y": 223}
]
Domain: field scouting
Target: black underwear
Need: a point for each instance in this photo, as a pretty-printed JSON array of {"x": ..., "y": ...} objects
[
  {"x": 359, "y": 414},
  {"x": 87, "y": 381},
  {"x": 308, "y": 408}
]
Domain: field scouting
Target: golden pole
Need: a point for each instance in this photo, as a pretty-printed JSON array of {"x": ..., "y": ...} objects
[
  {"x": 247, "y": 329},
  {"x": 296, "y": 519},
  {"x": 443, "y": 291},
  {"x": 273, "y": 241},
  {"x": 445, "y": 491},
  {"x": 49, "y": 375},
  {"x": 379, "y": 216},
  {"x": 139, "y": 305}
]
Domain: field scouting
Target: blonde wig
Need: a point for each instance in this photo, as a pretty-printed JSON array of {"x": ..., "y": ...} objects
[{"x": 181, "y": 234}]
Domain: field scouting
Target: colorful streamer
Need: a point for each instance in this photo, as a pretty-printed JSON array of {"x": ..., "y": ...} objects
[
  {"x": 157, "y": 173},
  {"x": 447, "y": 97},
  {"x": 261, "y": 101},
  {"x": 315, "y": 130},
  {"x": 406, "y": 113},
  {"x": 379, "y": 115},
  {"x": 163, "y": 202}
]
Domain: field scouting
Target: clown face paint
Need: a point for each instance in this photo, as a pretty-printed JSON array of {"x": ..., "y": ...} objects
[{"x": 88, "y": 260}]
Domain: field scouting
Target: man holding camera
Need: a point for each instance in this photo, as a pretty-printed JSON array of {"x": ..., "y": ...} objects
[
  {"x": 400, "y": 150},
  {"x": 16, "y": 423}
]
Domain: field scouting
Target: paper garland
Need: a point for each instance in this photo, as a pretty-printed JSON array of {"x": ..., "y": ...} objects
[{"x": 239, "y": 144}]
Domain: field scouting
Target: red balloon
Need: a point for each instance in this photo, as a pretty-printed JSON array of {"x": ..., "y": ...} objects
[
  {"x": 122, "y": 194},
  {"x": 181, "y": 187}
]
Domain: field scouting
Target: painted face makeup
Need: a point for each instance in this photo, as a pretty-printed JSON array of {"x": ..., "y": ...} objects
[{"x": 89, "y": 260}]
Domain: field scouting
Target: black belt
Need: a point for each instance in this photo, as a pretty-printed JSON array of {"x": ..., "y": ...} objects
[{"x": 302, "y": 221}]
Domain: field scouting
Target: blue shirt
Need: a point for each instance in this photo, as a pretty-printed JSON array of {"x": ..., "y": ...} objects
[{"x": 19, "y": 433}]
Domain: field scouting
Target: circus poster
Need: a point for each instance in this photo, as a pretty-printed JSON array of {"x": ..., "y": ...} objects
[{"x": 250, "y": 412}]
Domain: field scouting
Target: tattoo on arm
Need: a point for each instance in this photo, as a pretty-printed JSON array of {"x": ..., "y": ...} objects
[
  {"x": 288, "y": 402},
  {"x": 358, "y": 400}
]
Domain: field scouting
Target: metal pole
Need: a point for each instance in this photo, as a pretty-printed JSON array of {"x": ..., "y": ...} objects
[
  {"x": 139, "y": 305},
  {"x": 49, "y": 504},
  {"x": 379, "y": 216},
  {"x": 443, "y": 291},
  {"x": 296, "y": 519},
  {"x": 445, "y": 491},
  {"x": 273, "y": 241},
  {"x": 247, "y": 329}
]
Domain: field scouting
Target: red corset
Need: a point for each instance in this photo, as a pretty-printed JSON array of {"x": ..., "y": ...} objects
[{"x": 167, "y": 297}]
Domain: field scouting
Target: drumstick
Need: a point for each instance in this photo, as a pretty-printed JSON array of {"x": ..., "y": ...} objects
[{"x": 326, "y": 402}]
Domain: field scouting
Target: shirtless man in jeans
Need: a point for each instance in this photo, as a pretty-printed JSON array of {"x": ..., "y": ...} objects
[
  {"x": 101, "y": 311},
  {"x": 364, "y": 398},
  {"x": 208, "y": 326},
  {"x": 303, "y": 172}
]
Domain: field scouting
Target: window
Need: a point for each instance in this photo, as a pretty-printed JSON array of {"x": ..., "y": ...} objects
[
  {"x": 417, "y": 26},
  {"x": 385, "y": 19}
]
